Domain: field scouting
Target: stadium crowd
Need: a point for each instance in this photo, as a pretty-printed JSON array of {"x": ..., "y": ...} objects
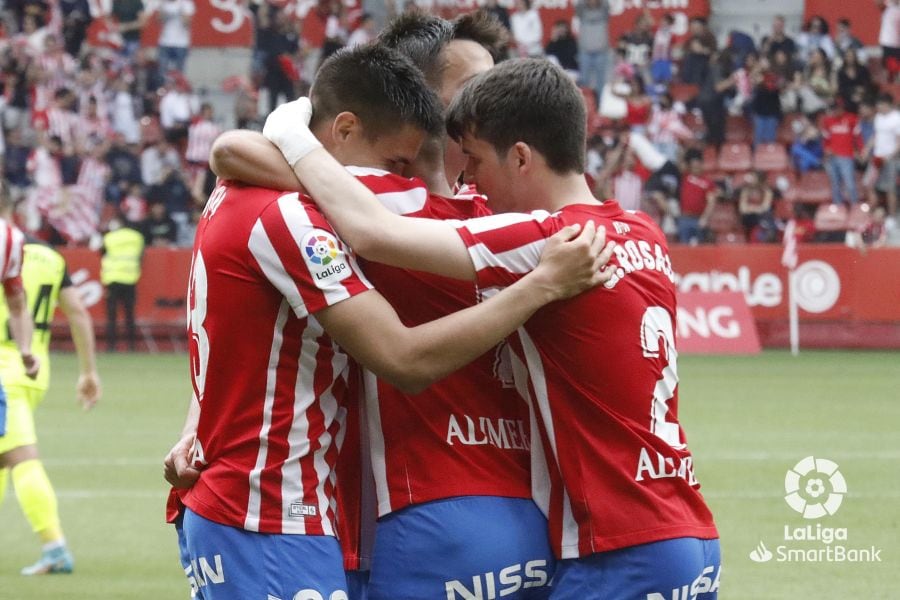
[{"x": 721, "y": 140}]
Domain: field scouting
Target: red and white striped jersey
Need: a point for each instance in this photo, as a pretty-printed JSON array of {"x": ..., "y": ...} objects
[
  {"x": 12, "y": 242},
  {"x": 66, "y": 125},
  {"x": 466, "y": 435},
  {"x": 201, "y": 136},
  {"x": 611, "y": 467},
  {"x": 271, "y": 384}
]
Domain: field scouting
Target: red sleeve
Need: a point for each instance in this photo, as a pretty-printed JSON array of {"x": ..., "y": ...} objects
[
  {"x": 12, "y": 286},
  {"x": 504, "y": 248},
  {"x": 299, "y": 253}
]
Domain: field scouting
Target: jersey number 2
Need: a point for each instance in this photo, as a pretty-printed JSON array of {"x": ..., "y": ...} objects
[{"x": 658, "y": 335}]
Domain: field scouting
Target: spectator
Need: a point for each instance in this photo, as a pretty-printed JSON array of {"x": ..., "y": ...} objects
[
  {"x": 201, "y": 136},
  {"x": 335, "y": 29},
  {"x": 174, "y": 192},
  {"x": 783, "y": 66},
  {"x": 364, "y": 33},
  {"x": 755, "y": 206},
  {"x": 177, "y": 108},
  {"x": 885, "y": 149},
  {"x": 744, "y": 79},
  {"x": 799, "y": 96},
  {"x": 562, "y": 48},
  {"x": 160, "y": 230},
  {"x": 133, "y": 207},
  {"x": 889, "y": 37},
  {"x": 527, "y": 30},
  {"x": 157, "y": 161},
  {"x": 806, "y": 150},
  {"x": 741, "y": 45},
  {"x": 76, "y": 16},
  {"x": 696, "y": 202},
  {"x": 593, "y": 42},
  {"x": 638, "y": 104},
  {"x": 866, "y": 122},
  {"x": 839, "y": 130},
  {"x": 700, "y": 46},
  {"x": 666, "y": 128},
  {"x": 853, "y": 81},
  {"x": 126, "y": 169},
  {"x": 130, "y": 18},
  {"x": 15, "y": 165},
  {"x": 766, "y": 108},
  {"x": 814, "y": 37},
  {"x": 845, "y": 41},
  {"x": 278, "y": 47},
  {"x": 661, "y": 56},
  {"x": 175, "y": 17},
  {"x": 501, "y": 13},
  {"x": 638, "y": 43},
  {"x": 778, "y": 40},
  {"x": 124, "y": 120},
  {"x": 818, "y": 74},
  {"x": 717, "y": 86},
  {"x": 619, "y": 178}
]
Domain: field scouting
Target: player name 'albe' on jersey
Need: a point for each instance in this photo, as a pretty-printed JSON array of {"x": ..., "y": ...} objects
[{"x": 610, "y": 463}]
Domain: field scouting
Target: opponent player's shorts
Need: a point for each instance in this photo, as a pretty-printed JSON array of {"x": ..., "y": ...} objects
[
  {"x": 358, "y": 585},
  {"x": 466, "y": 547},
  {"x": 684, "y": 568},
  {"x": 228, "y": 563},
  {"x": 20, "y": 404}
]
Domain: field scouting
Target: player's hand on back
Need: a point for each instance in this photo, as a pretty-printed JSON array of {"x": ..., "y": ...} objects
[
  {"x": 88, "y": 390},
  {"x": 177, "y": 464},
  {"x": 574, "y": 260},
  {"x": 288, "y": 128}
]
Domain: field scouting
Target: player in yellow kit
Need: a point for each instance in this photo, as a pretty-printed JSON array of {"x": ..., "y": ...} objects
[{"x": 47, "y": 284}]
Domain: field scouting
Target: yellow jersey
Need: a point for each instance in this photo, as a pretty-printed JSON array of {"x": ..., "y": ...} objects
[{"x": 43, "y": 276}]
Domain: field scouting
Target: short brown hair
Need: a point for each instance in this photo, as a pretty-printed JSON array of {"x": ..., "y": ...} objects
[
  {"x": 525, "y": 100},
  {"x": 380, "y": 86}
]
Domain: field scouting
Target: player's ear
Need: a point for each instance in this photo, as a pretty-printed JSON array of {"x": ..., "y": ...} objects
[
  {"x": 522, "y": 155},
  {"x": 345, "y": 125}
]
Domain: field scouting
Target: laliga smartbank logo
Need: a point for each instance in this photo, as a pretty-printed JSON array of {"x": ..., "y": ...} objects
[{"x": 815, "y": 489}]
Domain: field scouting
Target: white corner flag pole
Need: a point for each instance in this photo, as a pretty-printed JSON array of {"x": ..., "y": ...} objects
[{"x": 789, "y": 260}]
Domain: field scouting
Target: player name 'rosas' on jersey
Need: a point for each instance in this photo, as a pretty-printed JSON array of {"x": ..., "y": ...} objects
[{"x": 639, "y": 255}]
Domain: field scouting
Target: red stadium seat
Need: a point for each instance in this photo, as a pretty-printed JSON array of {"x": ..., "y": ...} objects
[
  {"x": 814, "y": 188},
  {"x": 735, "y": 157},
  {"x": 860, "y": 217},
  {"x": 683, "y": 92},
  {"x": 737, "y": 129},
  {"x": 831, "y": 217},
  {"x": 770, "y": 157}
]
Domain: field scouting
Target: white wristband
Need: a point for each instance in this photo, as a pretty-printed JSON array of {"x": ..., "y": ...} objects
[{"x": 288, "y": 128}]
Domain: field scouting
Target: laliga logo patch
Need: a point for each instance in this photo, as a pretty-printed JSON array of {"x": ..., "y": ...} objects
[
  {"x": 321, "y": 249},
  {"x": 324, "y": 258}
]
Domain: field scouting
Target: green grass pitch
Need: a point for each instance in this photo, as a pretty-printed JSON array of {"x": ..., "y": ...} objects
[{"x": 749, "y": 419}]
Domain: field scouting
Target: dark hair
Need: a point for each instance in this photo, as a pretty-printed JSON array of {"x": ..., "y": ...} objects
[
  {"x": 885, "y": 97},
  {"x": 422, "y": 38},
  {"x": 845, "y": 22},
  {"x": 692, "y": 154},
  {"x": 525, "y": 100},
  {"x": 380, "y": 86}
]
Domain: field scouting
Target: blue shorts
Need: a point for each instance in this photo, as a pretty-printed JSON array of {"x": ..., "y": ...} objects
[
  {"x": 227, "y": 563},
  {"x": 467, "y": 547},
  {"x": 358, "y": 585},
  {"x": 684, "y": 568}
]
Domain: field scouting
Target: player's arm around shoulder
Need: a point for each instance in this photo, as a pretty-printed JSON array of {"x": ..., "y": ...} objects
[
  {"x": 367, "y": 327},
  {"x": 248, "y": 157}
]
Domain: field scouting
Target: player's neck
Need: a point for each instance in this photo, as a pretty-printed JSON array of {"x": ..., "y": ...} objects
[
  {"x": 432, "y": 173},
  {"x": 558, "y": 191}
]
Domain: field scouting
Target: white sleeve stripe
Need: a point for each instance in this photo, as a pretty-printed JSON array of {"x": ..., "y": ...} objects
[
  {"x": 363, "y": 171},
  {"x": 404, "y": 203},
  {"x": 262, "y": 250},
  {"x": 520, "y": 260},
  {"x": 483, "y": 224},
  {"x": 295, "y": 217}
]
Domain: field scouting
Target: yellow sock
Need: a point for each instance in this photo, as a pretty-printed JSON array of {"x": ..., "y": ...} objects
[
  {"x": 37, "y": 499},
  {"x": 4, "y": 481}
]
